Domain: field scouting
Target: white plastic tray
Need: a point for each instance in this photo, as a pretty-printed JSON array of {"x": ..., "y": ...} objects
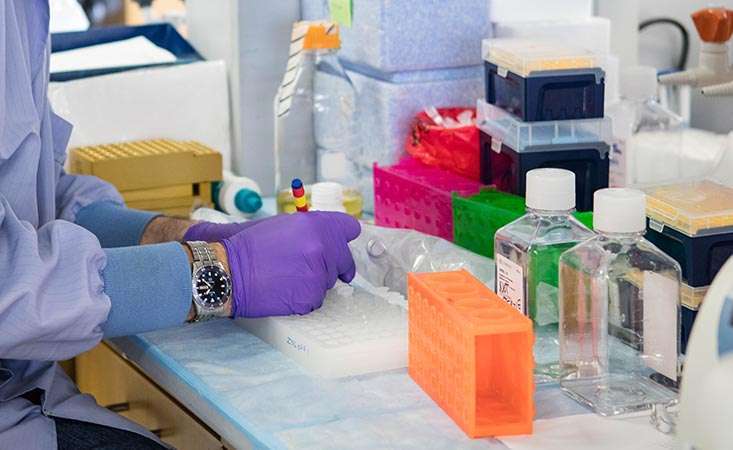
[{"x": 355, "y": 332}]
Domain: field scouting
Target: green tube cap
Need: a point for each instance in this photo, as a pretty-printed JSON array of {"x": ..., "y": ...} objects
[{"x": 248, "y": 201}]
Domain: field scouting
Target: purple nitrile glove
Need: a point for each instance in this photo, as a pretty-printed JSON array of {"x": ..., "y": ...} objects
[
  {"x": 285, "y": 265},
  {"x": 215, "y": 232}
]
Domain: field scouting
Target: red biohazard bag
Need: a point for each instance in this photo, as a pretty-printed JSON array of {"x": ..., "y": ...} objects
[{"x": 452, "y": 148}]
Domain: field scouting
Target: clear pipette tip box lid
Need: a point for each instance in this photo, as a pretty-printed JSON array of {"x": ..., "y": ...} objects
[
  {"x": 525, "y": 56},
  {"x": 504, "y": 128},
  {"x": 693, "y": 208}
]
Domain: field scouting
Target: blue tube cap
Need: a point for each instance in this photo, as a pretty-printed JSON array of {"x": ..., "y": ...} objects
[{"x": 248, "y": 201}]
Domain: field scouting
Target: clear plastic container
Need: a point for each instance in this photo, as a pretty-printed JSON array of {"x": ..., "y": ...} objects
[
  {"x": 299, "y": 108},
  {"x": 524, "y": 56},
  {"x": 691, "y": 208},
  {"x": 506, "y": 129},
  {"x": 619, "y": 313},
  {"x": 645, "y": 132},
  {"x": 527, "y": 252}
]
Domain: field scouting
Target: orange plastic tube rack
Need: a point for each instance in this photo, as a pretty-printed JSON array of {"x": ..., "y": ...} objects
[{"x": 471, "y": 353}]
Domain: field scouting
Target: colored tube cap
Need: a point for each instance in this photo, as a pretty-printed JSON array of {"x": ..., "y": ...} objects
[
  {"x": 322, "y": 36},
  {"x": 248, "y": 201}
]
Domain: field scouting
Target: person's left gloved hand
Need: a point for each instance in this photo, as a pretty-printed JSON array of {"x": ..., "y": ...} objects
[
  {"x": 286, "y": 264},
  {"x": 215, "y": 232}
]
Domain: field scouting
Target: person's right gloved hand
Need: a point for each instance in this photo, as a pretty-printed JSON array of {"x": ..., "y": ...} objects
[{"x": 285, "y": 265}]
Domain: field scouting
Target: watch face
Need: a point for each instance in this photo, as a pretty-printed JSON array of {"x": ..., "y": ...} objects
[{"x": 211, "y": 287}]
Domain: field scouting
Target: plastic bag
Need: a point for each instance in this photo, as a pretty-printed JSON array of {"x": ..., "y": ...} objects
[
  {"x": 384, "y": 257},
  {"x": 447, "y": 142}
]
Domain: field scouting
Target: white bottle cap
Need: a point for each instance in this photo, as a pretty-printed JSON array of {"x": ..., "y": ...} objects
[
  {"x": 327, "y": 197},
  {"x": 638, "y": 83},
  {"x": 619, "y": 211},
  {"x": 550, "y": 189}
]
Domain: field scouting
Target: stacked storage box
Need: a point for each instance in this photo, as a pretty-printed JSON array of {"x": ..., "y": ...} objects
[
  {"x": 165, "y": 176},
  {"x": 402, "y": 56},
  {"x": 693, "y": 223},
  {"x": 417, "y": 196},
  {"x": 476, "y": 218},
  {"x": 544, "y": 108}
]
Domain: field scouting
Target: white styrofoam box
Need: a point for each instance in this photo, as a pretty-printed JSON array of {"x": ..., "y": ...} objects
[
  {"x": 524, "y": 10},
  {"x": 353, "y": 333},
  {"x": 385, "y": 108},
  {"x": 183, "y": 102},
  {"x": 401, "y": 35},
  {"x": 590, "y": 33},
  {"x": 253, "y": 37}
]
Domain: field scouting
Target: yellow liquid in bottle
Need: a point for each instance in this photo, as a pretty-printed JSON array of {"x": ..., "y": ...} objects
[{"x": 353, "y": 201}]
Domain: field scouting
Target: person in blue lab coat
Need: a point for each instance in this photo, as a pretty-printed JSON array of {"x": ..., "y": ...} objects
[{"x": 72, "y": 270}]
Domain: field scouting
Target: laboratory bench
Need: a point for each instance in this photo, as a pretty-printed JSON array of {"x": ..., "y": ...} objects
[{"x": 214, "y": 385}]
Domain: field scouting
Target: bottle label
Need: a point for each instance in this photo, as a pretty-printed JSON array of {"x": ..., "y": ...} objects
[
  {"x": 661, "y": 302},
  {"x": 510, "y": 283},
  {"x": 496, "y": 144},
  {"x": 341, "y": 12}
]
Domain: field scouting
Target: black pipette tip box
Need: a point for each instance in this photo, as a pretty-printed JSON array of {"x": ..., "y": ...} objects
[
  {"x": 701, "y": 256},
  {"x": 507, "y": 169},
  {"x": 548, "y": 94}
]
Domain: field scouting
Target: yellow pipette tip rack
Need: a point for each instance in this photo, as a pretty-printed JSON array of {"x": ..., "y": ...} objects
[{"x": 691, "y": 207}]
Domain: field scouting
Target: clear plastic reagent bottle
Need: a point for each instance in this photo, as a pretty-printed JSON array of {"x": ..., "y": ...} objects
[
  {"x": 642, "y": 129},
  {"x": 298, "y": 107},
  {"x": 619, "y": 312},
  {"x": 527, "y": 252}
]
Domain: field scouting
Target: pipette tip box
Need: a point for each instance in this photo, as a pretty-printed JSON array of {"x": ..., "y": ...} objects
[
  {"x": 471, "y": 353},
  {"x": 166, "y": 176},
  {"x": 416, "y": 196},
  {"x": 693, "y": 223},
  {"x": 538, "y": 81},
  {"x": 148, "y": 164},
  {"x": 476, "y": 218},
  {"x": 510, "y": 148},
  {"x": 701, "y": 257}
]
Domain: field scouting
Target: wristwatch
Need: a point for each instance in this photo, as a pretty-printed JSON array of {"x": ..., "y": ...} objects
[{"x": 212, "y": 285}]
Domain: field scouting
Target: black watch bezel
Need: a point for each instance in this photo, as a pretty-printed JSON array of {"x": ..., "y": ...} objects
[{"x": 224, "y": 294}]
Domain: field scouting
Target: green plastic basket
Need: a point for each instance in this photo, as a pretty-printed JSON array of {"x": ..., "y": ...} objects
[{"x": 477, "y": 218}]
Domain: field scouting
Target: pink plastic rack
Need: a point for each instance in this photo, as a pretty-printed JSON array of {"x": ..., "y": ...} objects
[{"x": 416, "y": 196}]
